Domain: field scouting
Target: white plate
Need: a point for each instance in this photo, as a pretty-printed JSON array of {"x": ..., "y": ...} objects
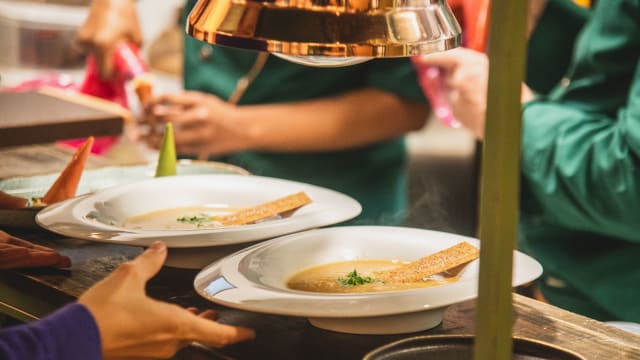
[
  {"x": 93, "y": 180},
  {"x": 78, "y": 217},
  {"x": 254, "y": 279}
]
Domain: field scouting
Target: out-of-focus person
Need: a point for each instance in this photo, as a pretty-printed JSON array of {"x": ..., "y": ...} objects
[
  {"x": 340, "y": 128},
  {"x": 580, "y": 154}
]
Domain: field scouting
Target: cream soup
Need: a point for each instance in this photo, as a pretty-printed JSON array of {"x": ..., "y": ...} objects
[
  {"x": 183, "y": 218},
  {"x": 331, "y": 278}
]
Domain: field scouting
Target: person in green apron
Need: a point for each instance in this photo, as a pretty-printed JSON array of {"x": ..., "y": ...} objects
[
  {"x": 580, "y": 211},
  {"x": 340, "y": 128}
]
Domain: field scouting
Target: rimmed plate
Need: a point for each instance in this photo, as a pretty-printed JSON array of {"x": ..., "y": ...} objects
[
  {"x": 100, "y": 216},
  {"x": 93, "y": 180},
  {"x": 255, "y": 278}
]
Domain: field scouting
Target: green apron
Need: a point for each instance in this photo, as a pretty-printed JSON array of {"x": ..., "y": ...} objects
[
  {"x": 580, "y": 164},
  {"x": 375, "y": 175}
]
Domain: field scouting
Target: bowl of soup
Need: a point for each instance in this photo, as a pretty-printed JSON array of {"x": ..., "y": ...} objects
[
  {"x": 332, "y": 277},
  {"x": 190, "y": 212}
]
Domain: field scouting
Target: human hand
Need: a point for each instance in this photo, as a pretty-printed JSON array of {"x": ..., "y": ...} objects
[
  {"x": 466, "y": 75},
  {"x": 109, "y": 23},
  {"x": 18, "y": 253},
  {"x": 202, "y": 124},
  {"x": 132, "y": 325},
  {"x": 10, "y": 202}
]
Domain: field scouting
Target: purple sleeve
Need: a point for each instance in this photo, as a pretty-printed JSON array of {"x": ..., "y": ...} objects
[{"x": 70, "y": 333}]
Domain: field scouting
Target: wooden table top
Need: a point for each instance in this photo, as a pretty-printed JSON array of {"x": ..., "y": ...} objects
[{"x": 31, "y": 294}]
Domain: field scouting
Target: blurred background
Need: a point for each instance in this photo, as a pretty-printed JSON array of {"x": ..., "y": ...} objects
[{"x": 38, "y": 42}]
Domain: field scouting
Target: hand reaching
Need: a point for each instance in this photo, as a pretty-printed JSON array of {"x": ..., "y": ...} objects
[
  {"x": 132, "y": 325},
  {"x": 18, "y": 253},
  {"x": 466, "y": 76}
]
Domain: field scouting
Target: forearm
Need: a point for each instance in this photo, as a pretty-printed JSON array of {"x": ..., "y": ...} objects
[
  {"x": 581, "y": 169},
  {"x": 69, "y": 333},
  {"x": 353, "y": 119}
]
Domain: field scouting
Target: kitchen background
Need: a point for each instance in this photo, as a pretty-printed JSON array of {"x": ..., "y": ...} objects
[{"x": 37, "y": 42}]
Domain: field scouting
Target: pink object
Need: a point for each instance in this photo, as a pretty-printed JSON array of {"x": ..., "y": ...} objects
[
  {"x": 432, "y": 82},
  {"x": 59, "y": 81},
  {"x": 127, "y": 64}
]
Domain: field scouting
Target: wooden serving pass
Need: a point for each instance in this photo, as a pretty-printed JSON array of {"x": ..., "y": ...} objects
[{"x": 265, "y": 210}]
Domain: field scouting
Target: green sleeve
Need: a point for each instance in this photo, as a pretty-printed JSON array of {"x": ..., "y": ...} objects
[
  {"x": 582, "y": 168},
  {"x": 397, "y": 76},
  {"x": 581, "y": 147}
]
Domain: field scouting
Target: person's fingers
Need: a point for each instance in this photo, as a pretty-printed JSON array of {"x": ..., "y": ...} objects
[
  {"x": 209, "y": 314},
  {"x": 103, "y": 56},
  {"x": 147, "y": 264},
  {"x": 205, "y": 152},
  {"x": 8, "y": 201},
  {"x": 27, "y": 244},
  {"x": 64, "y": 262},
  {"x": 218, "y": 335},
  {"x": 18, "y": 257},
  {"x": 166, "y": 112},
  {"x": 10, "y": 254},
  {"x": 446, "y": 60},
  {"x": 191, "y": 136},
  {"x": 41, "y": 259},
  {"x": 4, "y": 237},
  {"x": 153, "y": 140},
  {"x": 184, "y": 99}
]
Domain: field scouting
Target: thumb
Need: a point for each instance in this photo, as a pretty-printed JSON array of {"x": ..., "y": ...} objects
[{"x": 150, "y": 261}]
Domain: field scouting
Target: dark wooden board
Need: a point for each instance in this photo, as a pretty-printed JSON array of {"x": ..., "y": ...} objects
[{"x": 34, "y": 117}]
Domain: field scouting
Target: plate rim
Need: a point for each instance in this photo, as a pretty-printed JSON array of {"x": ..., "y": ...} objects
[
  {"x": 345, "y": 298},
  {"x": 78, "y": 228}
]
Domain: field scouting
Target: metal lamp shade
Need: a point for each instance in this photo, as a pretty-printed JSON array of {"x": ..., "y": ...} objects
[{"x": 327, "y": 32}]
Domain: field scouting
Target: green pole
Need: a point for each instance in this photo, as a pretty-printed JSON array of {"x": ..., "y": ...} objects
[{"x": 499, "y": 193}]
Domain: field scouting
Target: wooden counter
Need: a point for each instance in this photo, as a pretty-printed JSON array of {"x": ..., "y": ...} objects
[{"x": 29, "y": 295}]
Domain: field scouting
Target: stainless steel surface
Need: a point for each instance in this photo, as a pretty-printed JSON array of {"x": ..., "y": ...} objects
[{"x": 333, "y": 28}]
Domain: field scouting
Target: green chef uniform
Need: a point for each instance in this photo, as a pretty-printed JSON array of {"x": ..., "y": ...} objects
[
  {"x": 581, "y": 172},
  {"x": 374, "y": 175}
]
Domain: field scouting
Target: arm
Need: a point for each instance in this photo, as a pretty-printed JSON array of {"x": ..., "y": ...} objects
[
  {"x": 581, "y": 147},
  {"x": 69, "y": 333},
  {"x": 109, "y": 23},
  {"x": 349, "y": 120},
  {"x": 116, "y": 319},
  {"x": 366, "y": 116},
  {"x": 582, "y": 168}
]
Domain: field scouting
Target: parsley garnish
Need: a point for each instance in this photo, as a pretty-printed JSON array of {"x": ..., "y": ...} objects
[
  {"x": 197, "y": 220},
  {"x": 354, "y": 279}
]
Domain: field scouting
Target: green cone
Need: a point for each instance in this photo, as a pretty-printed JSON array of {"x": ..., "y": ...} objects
[{"x": 167, "y": 159}]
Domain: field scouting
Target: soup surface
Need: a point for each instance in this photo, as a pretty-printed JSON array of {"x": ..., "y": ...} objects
[
  {"x": 183, "y": 218},
  {"x": 335, "y": 277}
]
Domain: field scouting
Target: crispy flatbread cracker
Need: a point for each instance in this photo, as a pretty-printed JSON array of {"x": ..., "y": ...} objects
[
  {"x": 429, "y": 265},
  {"x": 263, "y": 211}
]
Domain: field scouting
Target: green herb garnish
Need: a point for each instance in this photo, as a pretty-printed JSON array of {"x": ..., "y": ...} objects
[
  {"x": 197, "y": 220},
  {"x": 354, "y": 279}
]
